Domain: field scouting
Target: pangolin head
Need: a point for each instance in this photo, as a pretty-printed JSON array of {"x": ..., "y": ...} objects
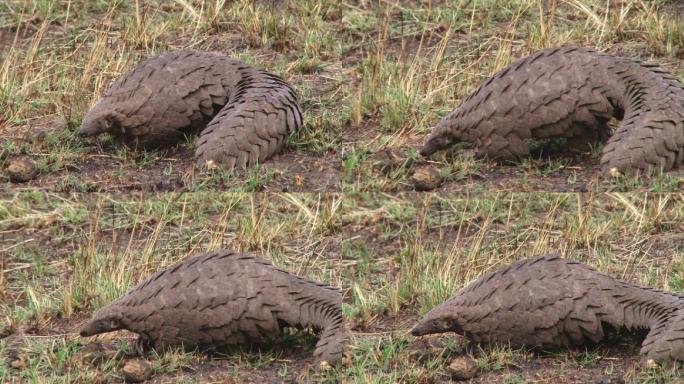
[
  {"x": 98, "y": 120},
  {"x": 107, "y": 319},
  {"x": 439, "y": 320},
  {"x": 440, "y": 138}
]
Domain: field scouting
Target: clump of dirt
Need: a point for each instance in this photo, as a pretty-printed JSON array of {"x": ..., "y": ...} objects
[{"x": 21, "y": 169}]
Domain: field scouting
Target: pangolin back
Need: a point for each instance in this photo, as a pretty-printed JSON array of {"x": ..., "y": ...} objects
[
  {"x": 226, "y": 298},
  {"x": 173, "y": 94},
  {"x": 549, "y": 301},
  {"x": 255, "y": 124},
  {"x": 571, "y": 93}
]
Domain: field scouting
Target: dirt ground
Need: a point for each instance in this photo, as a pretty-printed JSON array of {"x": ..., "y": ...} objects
[{"x": 337, "y": 205}]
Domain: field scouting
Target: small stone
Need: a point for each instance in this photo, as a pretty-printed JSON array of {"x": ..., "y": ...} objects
[
  {"x": 426, "y": 178},
  {"x": 462, "y": 368},
  {"x": 16, "y": 360},
  {"x": 18, "y": 364},
  {"x": 136, "y": 371},
  {"x": 613, "y": 172},
  {"x": 21, "y": 169}
]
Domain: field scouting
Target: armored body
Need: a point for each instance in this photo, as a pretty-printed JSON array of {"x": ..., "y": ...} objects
[
  {"x": 224, "y": 298},
  {"x": 549, "y": 301},
  {"x": 244, "y": 114},
  {"x": 571, "y": 93}
]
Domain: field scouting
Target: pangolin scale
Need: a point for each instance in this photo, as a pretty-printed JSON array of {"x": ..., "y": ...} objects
[
  {"x": 571, "y": 93},
  {"x": 225, "y": 298},
  {"x": 549, "y": 301},
  {"x": 244, "y": 114}
]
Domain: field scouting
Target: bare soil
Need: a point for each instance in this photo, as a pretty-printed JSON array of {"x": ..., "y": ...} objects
[{"x": 100, "y": 169}]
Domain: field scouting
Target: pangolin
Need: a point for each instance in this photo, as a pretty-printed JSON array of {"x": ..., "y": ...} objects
[
  {"x": 244, "y": 114},
  {"x": 548, "y": 301},
  {"x": 224, "y": 298},
  {"x": 571, "y": 93}
]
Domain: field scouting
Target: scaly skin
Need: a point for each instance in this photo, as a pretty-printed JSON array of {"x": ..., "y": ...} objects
[
  {"x": 571, "y": 93},
  {"x": 255, "y": 124},
  {"x": 548, "y": 301},
  {"x": 245, "y": 114},
  {"x": 225, "y": 298}
]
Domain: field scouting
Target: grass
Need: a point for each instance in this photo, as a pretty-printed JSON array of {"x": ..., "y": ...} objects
[
  {"x": 394, "y": 256},
  {"x": 370, "y": 76},
  {"x": 373, "y": 78}
]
